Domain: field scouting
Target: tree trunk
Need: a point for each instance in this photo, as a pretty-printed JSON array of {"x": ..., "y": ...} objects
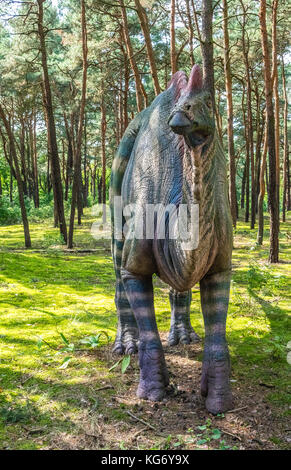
[
  {"x": 143, "y": 19},
  {"x": 103, "y": 149},
  {"x": 262, "y": 191},
  {"x": 22, "y": 157},
  {"x": 218, "y": 118},
  {"x": 247, "y": 165},
  {"x": 124, "y": 92},
  {"x": 286, "y": 182},
  {"x": 35, "y": 167},
  {"x": 70, "y": 157},
  {"x": 228, "y": 88},
  {"x": 57, "y": 182},
  {"x": 18, "y": 177},
  {"x": 260, "y": 126},
  {"x": 207, "y": 47},
  {"x": 173, "y": 39},
  {"x": 140, "y": 91},
  {"x": 118, "y": 112},
  {"x": 77, "y": 164},
  {"x": 86, "y": 175},
  {"x": 276, "y": 96},
  {"x": 249, "y": 134},
  {"x": 243, "y": 188},
  {"x": 94, "y": 182},
  {"x": 273, "y": 193},
  {"x": 196, "y": 21},
  {"x": 190, "y": 31}
]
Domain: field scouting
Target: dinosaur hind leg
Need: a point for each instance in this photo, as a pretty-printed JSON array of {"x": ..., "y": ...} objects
[
  {"x": 215, "y": 382},
  {"x": 181, "y": 330}
]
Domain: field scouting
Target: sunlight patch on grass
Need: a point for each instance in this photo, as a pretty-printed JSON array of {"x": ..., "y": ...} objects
[{"x": 44, "y": 294}]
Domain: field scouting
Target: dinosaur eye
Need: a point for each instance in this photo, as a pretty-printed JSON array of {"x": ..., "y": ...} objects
[{"x": 188, "y": 107}]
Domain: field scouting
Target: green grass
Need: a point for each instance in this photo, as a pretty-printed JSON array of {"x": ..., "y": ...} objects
[{"x": 47, "y": 291}]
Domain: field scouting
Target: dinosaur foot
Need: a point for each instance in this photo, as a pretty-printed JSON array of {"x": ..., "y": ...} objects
[
  {"x": 215, "y": 386},
  {"x": 184, "y": 334},
  {"x": 126, "y": 341},
  {"x": 154, "y": 376}
]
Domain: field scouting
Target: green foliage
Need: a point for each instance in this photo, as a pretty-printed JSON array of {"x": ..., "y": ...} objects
[
  {"x": 41, "y": 213},
  {"x": 208, "y": 437},
  {"x": 11, "y": 414},
  {"x": 208, "y": 433},
  {"x": 50, "y": 239},
  {"x": 43, "y": 294},
  {"x": 276, "y": 349},
  {"x": 57, "y": 309},
  {"x": 9, "y": 213},
  {"x": 262, "y": 278},
  {"x": 92, "y": 342},
  {"x": 20, "y": 77},
  {"x": 123, "y": 362}
]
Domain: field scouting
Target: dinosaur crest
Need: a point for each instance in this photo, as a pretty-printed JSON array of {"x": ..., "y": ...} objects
[
  {"x": 178, "y": 82},
  {"x": 183, "y": 86},
  {"x": 195, "y": 82}
]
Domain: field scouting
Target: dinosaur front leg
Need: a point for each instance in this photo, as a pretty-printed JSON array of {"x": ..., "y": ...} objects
[
  {"x": 181, "y": 330},
  {"x": 153, "y": 370},
  {"x": 127, "y": 330},
  {"x": 215, "y": 383}
]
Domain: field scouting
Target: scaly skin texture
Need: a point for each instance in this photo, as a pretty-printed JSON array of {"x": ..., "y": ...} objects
[
  {"x": 181, "y": 330},
  {"x": 170, "y": 155},
  {"x": 215, "y": 384},
  {"x": 154, "y": 376}
]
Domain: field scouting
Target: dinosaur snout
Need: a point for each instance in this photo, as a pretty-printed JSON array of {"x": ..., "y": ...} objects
[{"x": 179, "y": 123}]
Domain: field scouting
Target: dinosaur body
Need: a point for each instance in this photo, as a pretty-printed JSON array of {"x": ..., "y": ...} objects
[{"x": 170, "y": 157}]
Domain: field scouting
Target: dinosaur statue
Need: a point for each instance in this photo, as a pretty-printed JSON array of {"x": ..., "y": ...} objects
[{"x": 170, "y": 156}]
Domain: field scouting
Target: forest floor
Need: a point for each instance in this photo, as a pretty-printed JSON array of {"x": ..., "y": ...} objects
[{"x": 56, "y": 387}]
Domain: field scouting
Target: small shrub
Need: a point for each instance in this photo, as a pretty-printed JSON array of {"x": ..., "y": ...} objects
[
  {"x": 261, "y": 278},
  {"x": 12, "y": 414},
  {"x": 10, "y": 212}
]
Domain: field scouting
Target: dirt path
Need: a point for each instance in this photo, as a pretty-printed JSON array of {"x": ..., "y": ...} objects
[{"x": 126, "y": 422}]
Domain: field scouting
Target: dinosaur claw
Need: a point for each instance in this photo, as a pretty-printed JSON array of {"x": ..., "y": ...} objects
[
  {"x": 131, "y": 349},
  {"x": 195, "y": 338},
  {"x": 118, "y": 349},
  {"x": 173, "y": 339},
  {"x": 126, "y": 342},
  {"x": 182, "y": 334}
]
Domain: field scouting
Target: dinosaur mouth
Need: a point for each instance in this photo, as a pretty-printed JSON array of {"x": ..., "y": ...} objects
[{"x": 198, "y": 137}]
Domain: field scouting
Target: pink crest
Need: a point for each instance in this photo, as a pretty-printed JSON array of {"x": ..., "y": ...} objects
[
  {"x": 182, "y": 86},
  {"x": 195, "y": 82},
  {"x": 179, "y": 82}
]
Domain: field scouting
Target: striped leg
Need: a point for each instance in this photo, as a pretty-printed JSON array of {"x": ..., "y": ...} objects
[
  {"x": 181, "y": 329},
  {"x": 215, "y": 385},
  {"x": 127, "y": 331},
  {"x": 153, "y": 370}
]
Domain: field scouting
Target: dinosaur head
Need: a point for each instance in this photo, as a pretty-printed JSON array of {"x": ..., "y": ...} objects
[{"x": 192, "y": 115}]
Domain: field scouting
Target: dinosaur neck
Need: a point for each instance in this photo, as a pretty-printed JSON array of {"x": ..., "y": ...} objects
[
  {"x": 199, "y": 189},
  {"x": 199, "y": 179},
  {"x": 179, "y": 263}
]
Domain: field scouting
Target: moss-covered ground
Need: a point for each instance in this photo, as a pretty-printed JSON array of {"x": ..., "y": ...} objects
[{"x": 56, "y": 390}]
